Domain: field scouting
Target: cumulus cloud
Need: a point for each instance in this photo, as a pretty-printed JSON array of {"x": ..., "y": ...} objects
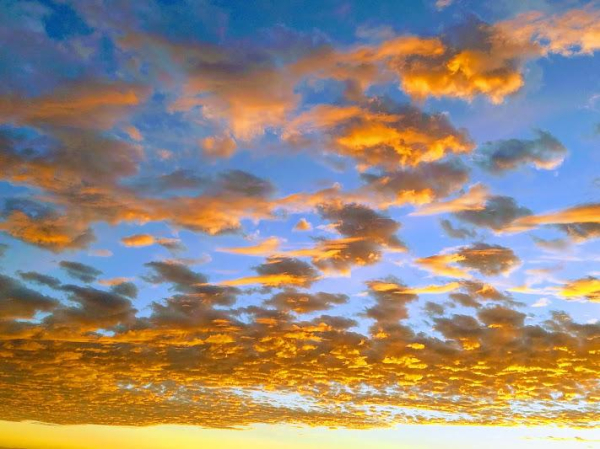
[
  {"x": 588, "y": 288},
  {"x": 279, "y": 272},
  {"x": 301, "y": 302},
  {"x": 487, "y": 259},
  {"x": 544, "y": 152},
  {"x": 18, "y": 301},
  {"x": 302, "y": 225},
  {"x": 495, "y": 214},
  {"x": 381, "y": 133}
]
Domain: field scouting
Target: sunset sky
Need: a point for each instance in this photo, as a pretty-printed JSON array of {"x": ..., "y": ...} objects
[{"x": 299, "y": 224}]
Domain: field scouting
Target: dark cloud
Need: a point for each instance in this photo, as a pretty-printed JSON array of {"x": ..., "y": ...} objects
[
  {"x": 41, "y": 279},
  {"x": 244, "y": 183},
  {"x": 422, "y": 184},
  {"x": 287, "y": 271},
  {"x": 20, "y": 302},
  {"x": 190, "y": 283},
  {"x": 181, "y": 179},
  {"x": 456, "y": 232},
  {"x": 366, "y": 233},
  {"x": 127, "y": 289},
  {"x": 80, "y": 271},
  {"x": 96, "y": 309},
  {"x": 303, "y": 302},
  {"x": 543, "y": 152},
  {"x": 489, "y": 260},
  {"x": 391, "y": 302},
  {"x": 498, "y": 212}
]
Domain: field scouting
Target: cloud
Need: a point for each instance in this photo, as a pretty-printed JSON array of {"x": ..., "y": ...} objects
[
  {"x": 497, "y": 213},
  {"x": 40, "y": 279},
  {"x": 218, "y": 146},
  {"x": 141, "y": 240},
  {"x": 84, "y": 105},
  {"x": 381, "y": 133},
  {"x": 49, "y": 230},
  {"x": 80, "y": 271},
  {"x": 487, "y": 259},
  {"x": 300, "y": 302},
  {"x": 542, "y": 302},
  {"x": 420, "y": 185},
  {"x": 279, "y": 272},
  {"x": 584, "y": 214},
  {"x": 474, "y": 199},
  {"x": 456, "y": 232},
  {"x": 302, "y": 225},
  {"x": 580, "y": 232},
  {"x": 264, "y": 248},
  {"x": 366, "y": 233},
  {"x": 588, "y": 288},
  {"x": 545, "y": 152},
  {"x": 573, "y": 32},
  {"x": 20, "y": 302},
  {"x": 95, "y": 309}
]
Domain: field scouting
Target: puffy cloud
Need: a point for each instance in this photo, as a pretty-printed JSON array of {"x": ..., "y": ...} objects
[
  {"x": 301, "y": 302},
  {"x": 588, "y": 288},
  {"x": 496, "y": 213},
  {"x": 77, "y": 270},
  {"x": 279, "y": 272},
  {"x": 544, "y": 152},
  {"x": 487, "y": 259},
  {"x": 573, "y": 32},
  {"x": 421, "y": 185},
  {"x": 49, "y": 230},
  {"x": 366, "y": 232},
  {"x": 138, "y": 240},
  {"x": 95, "y": 309},
  {"x": 391, "y": 299},
  {"x": 302, "y": 225},
  {"x": 382, "y": 133},
  {"x": 218, "y": 146},
  {"x": 476, "y": 59},
  {"x": 20, "y": 302}
]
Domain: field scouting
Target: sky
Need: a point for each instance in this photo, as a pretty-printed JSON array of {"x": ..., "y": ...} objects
[{"x": 299, "y": 224}]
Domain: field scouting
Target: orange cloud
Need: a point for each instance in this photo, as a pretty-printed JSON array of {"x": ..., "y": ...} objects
[
  {"x": 264, "y": 248},
  {"x": 84, "y": 105},
  {"x": 474, "y": 199},
  {"x": 588, "y": 288},
  {"x": 587, "y": 213}
]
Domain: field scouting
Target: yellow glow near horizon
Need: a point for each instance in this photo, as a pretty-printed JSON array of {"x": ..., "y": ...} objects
[{"x": 32, "y": 435}]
